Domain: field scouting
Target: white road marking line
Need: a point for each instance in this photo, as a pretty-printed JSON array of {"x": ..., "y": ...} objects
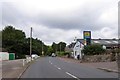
[
  {"x": 50, "y": 62},
  {"x": 72, "y": 75},
  {"x": 59, "y": 68}
]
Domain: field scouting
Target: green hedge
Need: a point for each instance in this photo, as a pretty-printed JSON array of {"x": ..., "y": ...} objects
[
  {"x": 63, "y": 53},
  {"x": 93, "y": 49}
]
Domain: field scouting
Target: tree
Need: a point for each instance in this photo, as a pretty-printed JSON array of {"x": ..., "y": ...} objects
[
  {"x": 61, "y": 46},
  {"x": 45, "y": 48},
  {"x": 13, "y": 40},
  {"x": 49, "y": 51},
  {"x": 93, "y": 49},
  {"x": 1, "y": 39},
  {"x": 54, "y": 47}
]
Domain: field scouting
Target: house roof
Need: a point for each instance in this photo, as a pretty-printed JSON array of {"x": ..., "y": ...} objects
[
  {"x": 102, "y": 41},
  {"x": 106, "y": 42}
]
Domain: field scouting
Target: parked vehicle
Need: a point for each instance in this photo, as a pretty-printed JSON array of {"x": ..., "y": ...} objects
[
  {"x": 34, "y": 56},
  {"x": 53, "y": 55}
]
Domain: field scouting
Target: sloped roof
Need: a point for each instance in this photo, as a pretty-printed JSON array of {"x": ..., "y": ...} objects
[
  {"x": 102, "y": 41},
  {"x": 106, "y": 42}
]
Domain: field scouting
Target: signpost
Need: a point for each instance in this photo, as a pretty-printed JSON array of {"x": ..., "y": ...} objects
[
  {"x": 31, "y": 43},
  {"x": 87, "y": 37}
]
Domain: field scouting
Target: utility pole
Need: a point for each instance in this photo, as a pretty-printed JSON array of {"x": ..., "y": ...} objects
[
  {"x": 55, "y": 48},
  {"x": 42, "y": 49},
  {"x": 31, "y": 43},
  {"x": 60, "y": 47}
]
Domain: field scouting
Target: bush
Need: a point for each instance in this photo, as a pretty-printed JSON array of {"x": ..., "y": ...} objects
[
  {"x": 63, "y": 53},
  {"x": 93, "y": 49}
]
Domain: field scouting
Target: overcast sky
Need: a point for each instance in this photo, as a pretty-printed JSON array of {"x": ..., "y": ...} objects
[{"x": 62, "y": 20}]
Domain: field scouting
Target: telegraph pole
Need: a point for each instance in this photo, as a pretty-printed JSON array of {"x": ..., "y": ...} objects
[
  {"x": 31, "y": 43},
  {"x": 42, "y": 48},
  {"x": 55, "y": 48},
  {"x": 60, "y": 47}
]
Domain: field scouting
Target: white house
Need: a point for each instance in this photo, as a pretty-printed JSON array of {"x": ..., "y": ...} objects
[{"x": 77, "y": 50}]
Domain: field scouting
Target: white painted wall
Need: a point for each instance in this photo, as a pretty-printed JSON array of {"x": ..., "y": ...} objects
[
  {"x": 4, "y": 56},
  {"x": 77, "y": 49}
]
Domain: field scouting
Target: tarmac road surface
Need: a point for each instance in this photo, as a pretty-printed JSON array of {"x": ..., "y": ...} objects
[{"x": 53, "y": 67}]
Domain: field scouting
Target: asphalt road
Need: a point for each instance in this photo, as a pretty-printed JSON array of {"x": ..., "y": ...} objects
[{"x": 53, "y": 67}]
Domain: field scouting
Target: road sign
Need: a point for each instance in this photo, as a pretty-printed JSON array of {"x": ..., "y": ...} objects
[
  {"x": 87, "y": 34},
  {"x": 87, "y": 37}
]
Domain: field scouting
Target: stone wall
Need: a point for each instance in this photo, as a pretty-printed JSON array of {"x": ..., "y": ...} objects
[{"x": 99, "y": 58}]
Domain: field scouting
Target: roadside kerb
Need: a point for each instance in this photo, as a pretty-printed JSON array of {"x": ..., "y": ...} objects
[
  {"x": 108, "y": 70},
  {"x": 26, "y": 67}
]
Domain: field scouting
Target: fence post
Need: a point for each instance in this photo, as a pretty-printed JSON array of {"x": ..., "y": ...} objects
[{"x": 23, "y": 62}]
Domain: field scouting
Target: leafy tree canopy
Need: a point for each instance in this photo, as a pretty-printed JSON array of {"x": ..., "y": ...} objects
[{"x": 14, "y": 40}]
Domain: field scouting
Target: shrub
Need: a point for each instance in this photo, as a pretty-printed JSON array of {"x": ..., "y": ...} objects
[
  {"x": 93, "y": 49},
  {"x": 63, "y": 53}
]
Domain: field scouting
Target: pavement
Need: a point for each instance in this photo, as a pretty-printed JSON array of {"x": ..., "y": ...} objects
[
  {"x": 13, "y": 68},
  {"x": 54, "y": 67},
  {"x": 107, "y": 66}
]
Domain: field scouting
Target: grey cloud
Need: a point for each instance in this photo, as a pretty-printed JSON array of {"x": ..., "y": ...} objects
[
  {"x": 86, "y": 20},
  {"x": 11, "y": 15},
  {"x": 82, "y": 19}
]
